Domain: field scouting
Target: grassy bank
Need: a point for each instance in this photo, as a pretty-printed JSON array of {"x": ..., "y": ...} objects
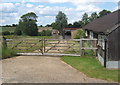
[
  {"x": 91, "y": 67},
  {"x": 19, "y": 37},
  {"x": 10, "y": 29},
  {"x": 7, "y": 53}
]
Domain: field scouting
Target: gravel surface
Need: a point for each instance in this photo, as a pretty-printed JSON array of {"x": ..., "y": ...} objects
[{"x": 42, "y": 69}]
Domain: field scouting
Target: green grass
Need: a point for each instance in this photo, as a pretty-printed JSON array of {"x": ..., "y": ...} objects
[
  {"x": 91, "y": 67},
  {"x": 46, "y": 37},
  {"x": 10, "y": 29},
  {"x": 25, "y": 37},
  {"x": 7, "y": 53},
  {"x": 25, "y": 45}
]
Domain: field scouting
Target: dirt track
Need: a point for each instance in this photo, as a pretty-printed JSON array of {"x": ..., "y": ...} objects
[{"x": 42, "y": 69}]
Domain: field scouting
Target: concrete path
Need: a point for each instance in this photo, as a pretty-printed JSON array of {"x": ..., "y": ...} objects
[{"x": 42, "y": 69}]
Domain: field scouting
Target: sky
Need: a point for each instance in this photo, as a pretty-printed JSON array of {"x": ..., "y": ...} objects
[{"x": 46, "y": 10}]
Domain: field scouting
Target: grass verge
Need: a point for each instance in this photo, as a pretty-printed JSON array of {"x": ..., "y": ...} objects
[
  {"x": 26, "y": 37},
  {"x": 7, "y": 53},
  {"x": 91, "y": 67}
]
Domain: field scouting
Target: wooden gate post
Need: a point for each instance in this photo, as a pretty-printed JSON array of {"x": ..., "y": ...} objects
[
  {"x": 44, "y": 45},
  {"x": 80, "y": 46}
]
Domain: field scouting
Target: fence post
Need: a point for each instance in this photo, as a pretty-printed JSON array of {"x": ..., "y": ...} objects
[
  {"x": 44, "y": 45},
  {"x": 96, "y": 47},
  {"x": 80, "y": 46},
  {"x": 4, "y": 42},
  {"x": 105, "y": 47}
]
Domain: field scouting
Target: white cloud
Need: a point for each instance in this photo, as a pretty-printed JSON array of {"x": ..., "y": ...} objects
[
  {"x": 11, "y": 12},
  {"x": 46, "y": 14},
  {"x": 41, "y": 6},
  {"x": 72, "y": 1},
  {"x": 7, "y": 7},
  {"x": 29, "y": 5},
  {"x": 88, "y": 8},
  {"x": 49, "y": 16},
  {"x": 2, "y": 21},
  {"x": 17, "y": 4}
]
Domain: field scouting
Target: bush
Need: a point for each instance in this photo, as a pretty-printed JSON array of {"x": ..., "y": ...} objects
[
  {"x": 6, "y": 33},
  {"x": 12, "y": 33},
  {"x": 5, "y": 51},
  {"x": 80, "y": 34},
  {"x": 45, "y": 33},
  {"x": 8, "y": 53},
  {"x": 17, "y": 32},
  {"x": 89, "y": 53}
]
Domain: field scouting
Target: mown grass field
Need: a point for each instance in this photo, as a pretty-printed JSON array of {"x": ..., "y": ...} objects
[
  {"x": 26, "y": 37},
  {"x": 10, "y": 29},
  {"x": 44, "y": 28},
  {"x": 92, "y": 68}
]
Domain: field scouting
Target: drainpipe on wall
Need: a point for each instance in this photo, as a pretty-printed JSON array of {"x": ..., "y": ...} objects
[{"x": 105, "y": 47}]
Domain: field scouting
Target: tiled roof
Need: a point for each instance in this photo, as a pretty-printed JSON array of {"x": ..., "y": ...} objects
[{"x": 101, "y": 25}]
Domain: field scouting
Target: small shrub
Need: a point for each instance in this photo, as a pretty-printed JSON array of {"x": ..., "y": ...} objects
[
  {"x": 89, "y": 53},
  {"x": 6, "y": 33},
  {"x": 80, "y": 34},
  {"x": 18, "y": 32},
  {"x": 12, "y": 33},
  {"x": 45, "y": 33},
  {"x": 7, "y": 53}
]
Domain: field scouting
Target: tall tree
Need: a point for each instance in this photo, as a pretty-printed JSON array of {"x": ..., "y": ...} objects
[
  {"x": 54, "y": 25},
  {"x": 93, "y": 16},
  {"x": 104, "y": 12},
  {"x": 76, "y": 24},
  {"x": 85, "y": 19},
  {"x": 27, "y": 24},
  {"x": 61, "y": 23},
  {"x": 69, "y": 25},
  {"x": 81, "y": 23}
]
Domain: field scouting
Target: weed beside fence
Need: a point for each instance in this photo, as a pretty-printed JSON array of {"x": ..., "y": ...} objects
[{"x": 7, "y": 53}]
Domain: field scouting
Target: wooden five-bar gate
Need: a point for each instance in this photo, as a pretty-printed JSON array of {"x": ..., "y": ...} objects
[{"x": 59, "y": 47}]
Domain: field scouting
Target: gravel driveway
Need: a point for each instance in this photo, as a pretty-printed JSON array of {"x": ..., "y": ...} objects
[{"x": 42, "y": 69}]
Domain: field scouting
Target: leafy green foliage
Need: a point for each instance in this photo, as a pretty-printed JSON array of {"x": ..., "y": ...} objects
[
  {"x": 6, "y": 33},
  {"x": 91, "y": 67},
  {"x": 45, "y": 33},
  {"x": 104, "y": 12},
  {"x": 27, "y": 25},
  {"x": 54, "y": 25},
  {"x": 89, "y": 52},
  {"x": 93, "y": 16},
  {"x": 5, "y": 51},
  {"x": 85, "y": 19},
  {"x": 17, "y": 32},
  {"x": 61, "y": 23},
  {"x": 76, "y": 24},
  {"x": 80, "y": 34}
]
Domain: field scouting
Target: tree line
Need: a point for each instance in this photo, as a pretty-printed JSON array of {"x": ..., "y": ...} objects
[
  {"x": 85, "y": 19},
  {"x": 27, "y": 24}
]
